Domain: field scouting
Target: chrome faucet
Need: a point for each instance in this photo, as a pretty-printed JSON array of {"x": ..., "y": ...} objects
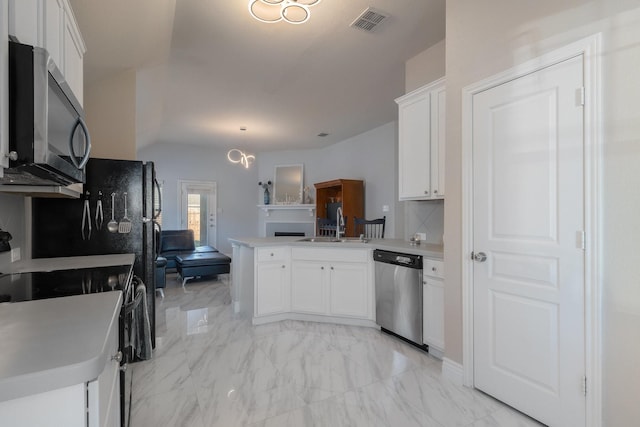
[{"x": 339, "y": 222}]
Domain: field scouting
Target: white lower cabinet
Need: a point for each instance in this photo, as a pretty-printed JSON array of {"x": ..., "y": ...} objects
[
  {"x": 433, "y": 306},
  {"x": 332, "y": 282},
  {"x": 103, "y": 393},
  {"x": 309, "y": 287},
  {"x": 348, "y": 289},
  {"x": 272, "y": 281}
]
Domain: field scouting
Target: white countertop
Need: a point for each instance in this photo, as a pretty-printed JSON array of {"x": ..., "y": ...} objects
[
  {"x": 428, "y": 250},
  {"x": 65, "y": 263},
  {"x": 53, "y": 343}
]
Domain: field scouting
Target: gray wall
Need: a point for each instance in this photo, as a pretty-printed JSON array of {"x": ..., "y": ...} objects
[
  {"x": 489, "y": 36},
  {"x": 12, "y": 219},
  {"x": 237, "y": 212}
]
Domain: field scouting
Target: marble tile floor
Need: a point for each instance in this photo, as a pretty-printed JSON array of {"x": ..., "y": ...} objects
[{"x": 214, "y": 368}]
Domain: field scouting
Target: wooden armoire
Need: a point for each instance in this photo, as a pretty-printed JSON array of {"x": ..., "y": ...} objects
[{"x": 347, "y": 193}]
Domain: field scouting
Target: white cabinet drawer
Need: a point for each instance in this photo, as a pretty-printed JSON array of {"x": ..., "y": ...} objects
[
  {"x": 273, "y": 254},
  {"x": 331, "y": 254},
  {"x": 433, "y": 268}
]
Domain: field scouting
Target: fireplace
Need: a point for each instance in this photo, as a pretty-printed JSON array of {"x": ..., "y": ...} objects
[
  {"x": 289, "y": 233},
  {"x": 290, "y": 228}
]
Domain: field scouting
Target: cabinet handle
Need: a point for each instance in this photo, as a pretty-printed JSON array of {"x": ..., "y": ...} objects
[
  {"x": 271, "y": 253},
  {"x": 433, "y": 269},
  {"x": 435, "y": 191},
  {"x": 124, "y": 367},
  {"x": 283, "y": 266},
  {"x": 332, "y": 267},
  {"x": 322, "y": 268},
  {"x": 117, "y": 357},
  {"x": 426, "y": 191}
]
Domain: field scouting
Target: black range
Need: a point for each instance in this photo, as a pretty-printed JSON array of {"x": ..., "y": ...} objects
[{"x": 18, "y": 287}]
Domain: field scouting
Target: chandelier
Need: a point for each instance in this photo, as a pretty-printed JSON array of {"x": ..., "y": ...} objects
[
  {"x": 291, "y": 11},
  {"x": 238, "y": 156}
]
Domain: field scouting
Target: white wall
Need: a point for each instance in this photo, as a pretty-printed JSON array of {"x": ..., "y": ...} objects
[
  {"x": 237, "y": 212},
  {"x": 110, "y": 105},
  {"x": 426, "y": 67},
  {"x": 486, "y": 37}
]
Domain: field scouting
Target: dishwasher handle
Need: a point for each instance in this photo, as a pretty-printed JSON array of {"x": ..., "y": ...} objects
[{"x": 397, "y": 258}]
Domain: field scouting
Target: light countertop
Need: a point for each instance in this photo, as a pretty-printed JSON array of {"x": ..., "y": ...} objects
[
  {"x": 53, "y": 343},
  {"x": 65, "y": 263},
  {"x": 428, "y": 250}
]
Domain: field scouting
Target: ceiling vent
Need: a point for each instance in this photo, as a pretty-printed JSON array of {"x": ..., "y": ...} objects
[{"x": 369, "y": 20}]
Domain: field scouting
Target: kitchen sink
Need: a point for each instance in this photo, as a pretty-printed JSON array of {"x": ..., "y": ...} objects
[{"x": 332, "y": 240}]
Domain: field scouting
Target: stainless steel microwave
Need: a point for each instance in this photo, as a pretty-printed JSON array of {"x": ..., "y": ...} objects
[{"x": 49, "y": 143}]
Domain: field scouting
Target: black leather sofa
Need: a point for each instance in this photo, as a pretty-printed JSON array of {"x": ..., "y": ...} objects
[{"x": 179, "y": 242}]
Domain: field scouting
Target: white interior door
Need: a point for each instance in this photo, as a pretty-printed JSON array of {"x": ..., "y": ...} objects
[
  {"x": 528, "y": 295},
  {"x": 198, "y": 210}
]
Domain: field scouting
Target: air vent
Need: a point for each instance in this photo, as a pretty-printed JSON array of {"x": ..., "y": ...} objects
[{"x": 370, "y": 19}]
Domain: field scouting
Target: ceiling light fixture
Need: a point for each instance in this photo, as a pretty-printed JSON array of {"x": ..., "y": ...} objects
[
  {"x": 291, "y": 11},
  {"x": 238, "y": 156}
]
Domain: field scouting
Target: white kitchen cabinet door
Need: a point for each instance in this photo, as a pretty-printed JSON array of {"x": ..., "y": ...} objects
[
  {"x": 272, "y": 288},
  {"x": 53, "y": 30},
  {"x": 433, "y": 314},
  {"x": 308, "y": 287},
  {"x": 272, "y": 281},
  {"x": 421, "y": 140},
  {"x": 438, "y": 124},
  {"x": 73, "y": 54},
  {"x": 103, "y": 394},
  {"x": 23, "y": 21},
  {"x": 349, "y": 290},
  {"x": 414, "y": 150}
]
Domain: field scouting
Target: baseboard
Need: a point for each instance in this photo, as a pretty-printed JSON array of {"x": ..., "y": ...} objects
[{"x": 453, "y": 371}]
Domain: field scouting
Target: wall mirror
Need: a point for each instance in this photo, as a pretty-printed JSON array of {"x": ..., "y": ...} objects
[{"x": 287, "y": 185}]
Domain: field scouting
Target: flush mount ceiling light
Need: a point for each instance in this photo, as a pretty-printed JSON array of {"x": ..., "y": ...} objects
[
  {"x": 291, "y": 11},
  {"x": 238, "y": 156}
]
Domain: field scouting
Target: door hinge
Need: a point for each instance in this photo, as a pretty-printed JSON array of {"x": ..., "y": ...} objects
[
  {"x": 584, "y": 385},
  {"x": 580, "y": 239},
  {"x": 580, "y": 96}
]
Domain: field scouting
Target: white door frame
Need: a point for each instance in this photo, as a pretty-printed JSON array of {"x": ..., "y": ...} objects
[
  {"x": 205, "y": 184},
  {"x": 590, "y": 48}
]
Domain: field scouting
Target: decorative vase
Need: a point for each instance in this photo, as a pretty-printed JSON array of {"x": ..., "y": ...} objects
[{"x": 267, "y": 198}]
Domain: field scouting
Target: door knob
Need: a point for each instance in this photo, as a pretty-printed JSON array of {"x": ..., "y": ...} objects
[{"x": 480, "y": 257}]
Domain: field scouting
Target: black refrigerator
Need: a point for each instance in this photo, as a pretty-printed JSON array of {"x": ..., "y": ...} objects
[{"x": 77, "y": 227}]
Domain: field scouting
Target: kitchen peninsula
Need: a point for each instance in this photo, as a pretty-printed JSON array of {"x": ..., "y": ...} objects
[
  {"x": 277, "y": 278},
  {"x": 61, "y": 354}
]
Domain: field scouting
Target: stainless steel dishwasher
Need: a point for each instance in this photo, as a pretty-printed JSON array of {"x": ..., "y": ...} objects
[{"x": 399, "y": 294}]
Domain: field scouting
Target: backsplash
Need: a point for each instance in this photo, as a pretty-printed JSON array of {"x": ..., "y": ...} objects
[{"x": 424, "y": 217}]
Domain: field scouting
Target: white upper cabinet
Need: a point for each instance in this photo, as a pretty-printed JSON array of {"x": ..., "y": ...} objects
[
  {"x": 23, "y": 21},
  {"x": 421, "y": 116},
  {"x": 51, "y": 24}
]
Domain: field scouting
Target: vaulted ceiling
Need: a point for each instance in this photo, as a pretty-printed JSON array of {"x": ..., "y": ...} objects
[{"x": 205, "y": 68}]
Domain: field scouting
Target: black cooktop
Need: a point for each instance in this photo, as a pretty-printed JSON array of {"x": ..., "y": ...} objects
[{"x": 61, "y": 283}]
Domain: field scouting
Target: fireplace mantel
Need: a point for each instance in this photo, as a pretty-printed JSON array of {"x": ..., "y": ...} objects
[{"x": 268, "y": 208}]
